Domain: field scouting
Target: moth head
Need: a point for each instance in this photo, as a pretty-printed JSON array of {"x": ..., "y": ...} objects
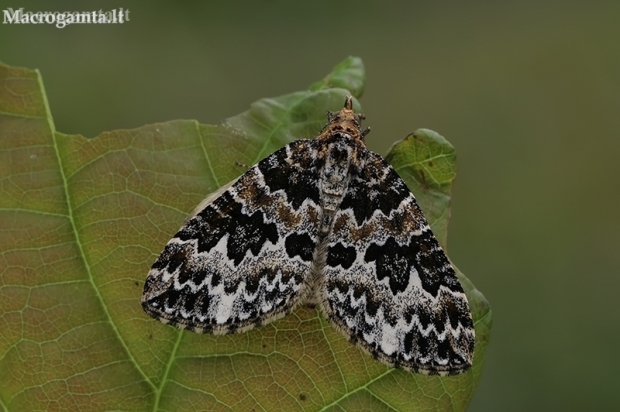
[{"x": 345, "y": 121}]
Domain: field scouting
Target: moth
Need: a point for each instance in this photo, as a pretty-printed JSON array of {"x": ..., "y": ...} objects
[{"x": 326, "y": 222}]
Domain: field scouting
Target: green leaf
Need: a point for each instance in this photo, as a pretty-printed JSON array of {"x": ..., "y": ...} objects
[
  {"x": 349, "y": 75},
  {"x": 82, "y": 220},
  {"x": 427, "y": 162}
]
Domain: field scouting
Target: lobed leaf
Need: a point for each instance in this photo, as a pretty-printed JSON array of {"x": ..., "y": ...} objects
[{"x": 82, "y": 220}]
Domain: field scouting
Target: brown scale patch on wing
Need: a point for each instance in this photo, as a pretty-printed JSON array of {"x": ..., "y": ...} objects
[
  {"x": 345, "y": 227},
  {"x": 364, "y": 232},
  {"x": 286, "y": 216},
  {"x": 313, "y": 215},
  {"x": 404, "y": 220},
  {"x": 341, "y": 224},
  {"x": 255, "y": 196}
]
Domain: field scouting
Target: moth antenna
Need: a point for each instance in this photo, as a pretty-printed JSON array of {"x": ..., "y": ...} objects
[{"x": 348, "y": 103}]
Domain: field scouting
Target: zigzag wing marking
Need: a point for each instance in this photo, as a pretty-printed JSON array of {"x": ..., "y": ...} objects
[
  {"x": 388, "y": 285},
  {"x": 242, "y": 260}
]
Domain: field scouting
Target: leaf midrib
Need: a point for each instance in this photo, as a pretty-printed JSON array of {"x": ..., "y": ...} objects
[{"x": 70, "y": 216}]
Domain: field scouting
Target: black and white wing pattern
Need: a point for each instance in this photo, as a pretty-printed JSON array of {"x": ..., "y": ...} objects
[
  {"x": 244, "y": 258},
  {"x": 388, "y": 285},
  {"x": 328, "y": 222}
]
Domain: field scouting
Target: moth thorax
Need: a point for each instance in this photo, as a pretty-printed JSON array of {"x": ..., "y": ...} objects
[
  {"x": 335, "y": 173},
  {"x": 334, "y": 179}
]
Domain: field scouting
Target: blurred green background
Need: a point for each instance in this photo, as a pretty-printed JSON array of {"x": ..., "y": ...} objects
[{"x": 528, "y": 92}]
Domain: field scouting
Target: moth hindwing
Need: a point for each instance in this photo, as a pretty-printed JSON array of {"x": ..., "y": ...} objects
[{"x": 324, "y": 221}]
